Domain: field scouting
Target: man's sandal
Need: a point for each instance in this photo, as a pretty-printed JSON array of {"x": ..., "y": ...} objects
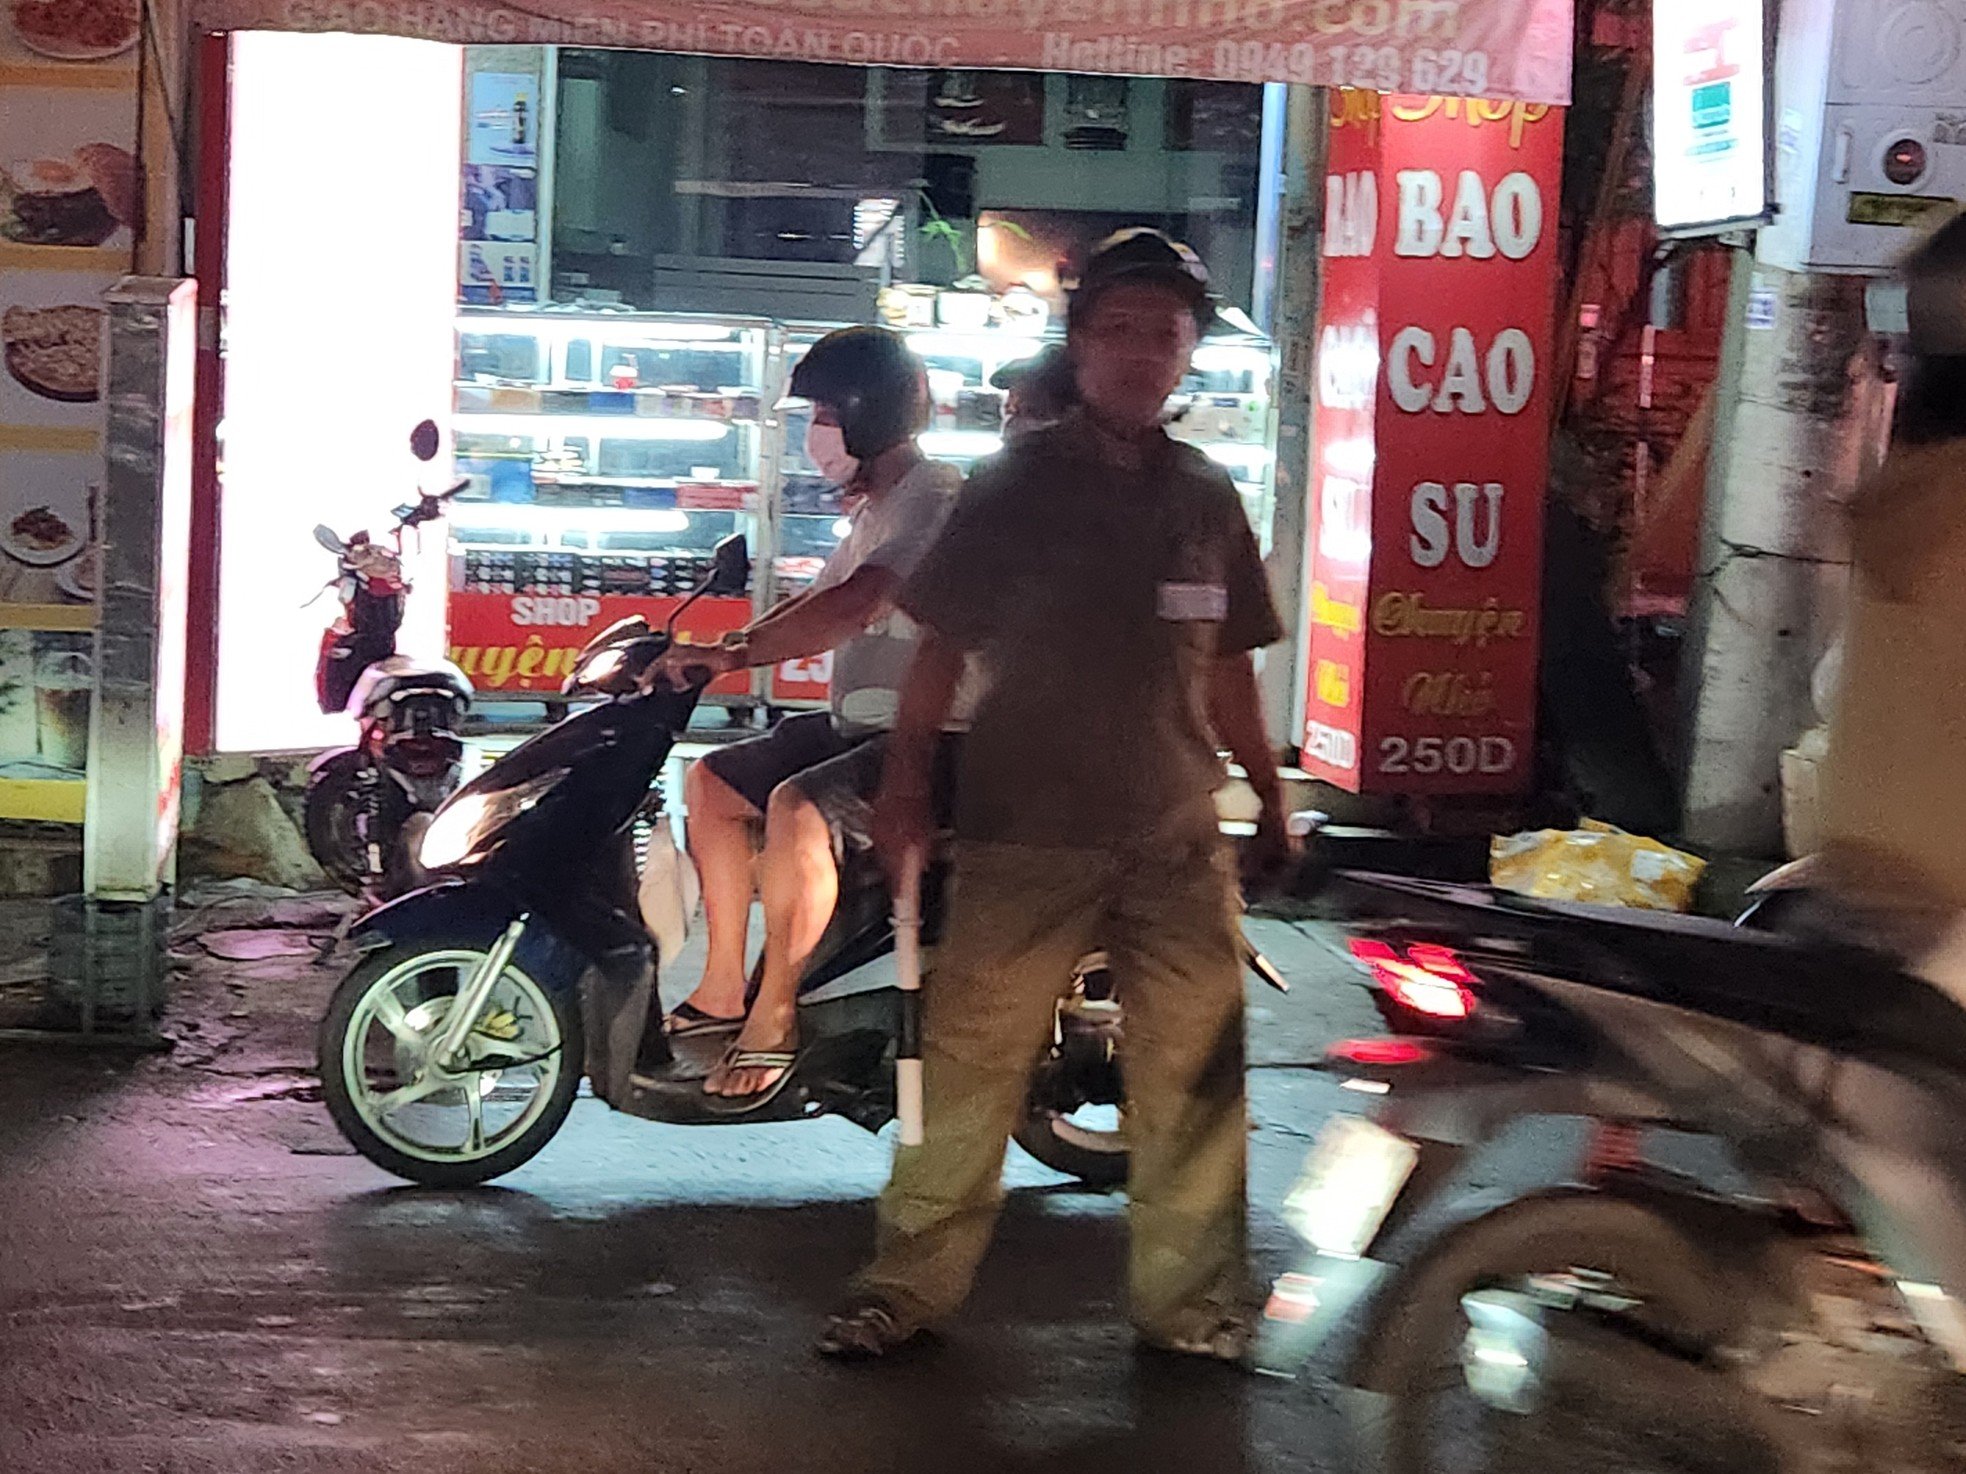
[
  {"x": 686, "y": 1019},
  {"x": 867, "y": 1332}
]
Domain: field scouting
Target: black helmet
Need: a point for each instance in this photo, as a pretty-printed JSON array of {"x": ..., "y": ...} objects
[
  {"x": 1932, "y": 389},
  {"x": 872, "y": 381},
  {"x": 1935, "y": 291},
  {"x": 1143, "y": 255}
]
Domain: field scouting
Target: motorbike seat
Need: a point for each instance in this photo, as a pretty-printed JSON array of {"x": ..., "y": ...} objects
[
  {"x": 400, "y": 677},
  {"x": 1837, "y": 994}
]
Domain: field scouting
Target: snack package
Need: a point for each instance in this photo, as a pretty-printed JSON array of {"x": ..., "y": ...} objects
[{"x": 1597, "y": 863}]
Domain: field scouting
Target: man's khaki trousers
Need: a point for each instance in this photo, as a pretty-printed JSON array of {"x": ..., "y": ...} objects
[{"x": 1019, "y": 919}]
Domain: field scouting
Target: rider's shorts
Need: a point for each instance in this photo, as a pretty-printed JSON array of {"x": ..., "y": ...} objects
[{"x": 839, "y": 772}]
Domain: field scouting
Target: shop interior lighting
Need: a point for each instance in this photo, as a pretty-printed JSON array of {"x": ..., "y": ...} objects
[
  {"x": 622, "y": 331},
  {"x": 1232, "y": 358},
  {"x": 533, "y": 517},
  {"x": 990, "y": 347},
  {"x": 958, "y": 444},
  {"x": 591, "y": 427},
  {"x": 326, "y": 438}
]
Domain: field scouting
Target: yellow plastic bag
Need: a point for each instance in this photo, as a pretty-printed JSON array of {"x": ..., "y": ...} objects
[{"x": 1597, "y": 863}]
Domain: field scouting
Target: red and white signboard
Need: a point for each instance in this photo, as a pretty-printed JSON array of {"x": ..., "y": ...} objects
[
  {"x": 1431, "y": 447},
  {"x": 807, "y": 679},
  {"x": 520, "y": 643},
  {"x": 1475, "y": 48}
]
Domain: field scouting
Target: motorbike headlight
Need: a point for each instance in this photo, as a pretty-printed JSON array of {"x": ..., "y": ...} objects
[
  {"x": 599, "y": 666},
  {"x": 1350, "y": 1182},
  {"x": 463, "y": 825},
  {"x": 596, "y": 671}
]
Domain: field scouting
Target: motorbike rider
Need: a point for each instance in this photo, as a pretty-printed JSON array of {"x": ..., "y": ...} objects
[
  {"x": 811, "y": 778},
  {"x": 1107, "y": 578},
  {"x": 1894, "y": 793}
]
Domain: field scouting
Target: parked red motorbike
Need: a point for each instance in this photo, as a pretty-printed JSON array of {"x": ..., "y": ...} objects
[{"x": 367, "y": 805}]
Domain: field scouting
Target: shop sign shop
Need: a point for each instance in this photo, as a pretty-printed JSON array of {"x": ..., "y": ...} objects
[
  {"x": 1431, "y": 445},
  {"x": 528, "y": 642},
  {"x": 1490, "y": 48}
]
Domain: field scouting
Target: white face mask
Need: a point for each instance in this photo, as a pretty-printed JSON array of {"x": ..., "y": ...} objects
[{"x": 826, "y": 449}]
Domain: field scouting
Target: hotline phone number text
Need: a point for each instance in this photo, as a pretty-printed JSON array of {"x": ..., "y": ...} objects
[{"x": 1424, "y": 71}]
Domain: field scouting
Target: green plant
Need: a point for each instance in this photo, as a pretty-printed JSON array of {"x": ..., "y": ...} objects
[{"x": 936, "y": 226}]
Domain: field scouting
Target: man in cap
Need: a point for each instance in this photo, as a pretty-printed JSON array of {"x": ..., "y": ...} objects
[{"x": 1106, "y": 578}]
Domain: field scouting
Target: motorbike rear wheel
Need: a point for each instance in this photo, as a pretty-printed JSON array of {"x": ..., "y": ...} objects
[
  {"x": 340, "y": 822},
  {"x": 458, "y": 1124},
  {"x": 1095, "y": 1156},
  {"x": 1076, "y": 1120}
]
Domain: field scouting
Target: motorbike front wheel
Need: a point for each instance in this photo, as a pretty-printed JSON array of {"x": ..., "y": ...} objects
[
  {"x": 487, "y": 1110},
  {"x": 1427, "y": 1355}
]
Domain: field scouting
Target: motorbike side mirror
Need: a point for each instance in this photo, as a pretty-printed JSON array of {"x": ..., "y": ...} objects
[
  {"x": 424, "y": 441},
  {"x": 328, "y": 538},
  {"x": 730, "y": 566}
]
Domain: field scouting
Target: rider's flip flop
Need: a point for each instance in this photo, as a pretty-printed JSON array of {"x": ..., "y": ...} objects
[
  {"x": 686, "y": 1019},
  {"x": 734, "y": 1058}
]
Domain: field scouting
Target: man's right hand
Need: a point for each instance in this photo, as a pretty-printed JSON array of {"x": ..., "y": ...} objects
[{"x": 903, "y": 824}]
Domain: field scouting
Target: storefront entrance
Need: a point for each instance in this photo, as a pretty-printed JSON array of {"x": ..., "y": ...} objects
[{"x": 641, "y": 248}]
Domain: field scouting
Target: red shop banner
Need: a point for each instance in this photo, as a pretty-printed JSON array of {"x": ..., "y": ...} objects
[
  {"x": 1431, "y": 452},
  {"x": 527, "y": 642},
  {"x": 1475, "y": 48}
]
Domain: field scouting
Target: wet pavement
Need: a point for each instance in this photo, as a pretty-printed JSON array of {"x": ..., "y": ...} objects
[{"x": 197, "y": 1277}]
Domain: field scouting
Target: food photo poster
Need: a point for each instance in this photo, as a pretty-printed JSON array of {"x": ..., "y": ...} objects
[{"x": 70, "y": 217}]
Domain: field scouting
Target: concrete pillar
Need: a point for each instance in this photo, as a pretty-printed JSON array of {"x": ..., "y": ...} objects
[
  {"x": 1293, "y": 326},
  {"x": 1801, "y": 409}
]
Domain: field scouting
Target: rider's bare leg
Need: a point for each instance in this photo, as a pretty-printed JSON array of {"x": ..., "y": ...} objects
[
  {"x": 800, "y": 883},
  {"x": 720, "y": 820}
]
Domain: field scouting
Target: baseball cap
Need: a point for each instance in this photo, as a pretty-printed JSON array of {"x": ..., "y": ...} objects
[{"x": 1141, "y": 254}]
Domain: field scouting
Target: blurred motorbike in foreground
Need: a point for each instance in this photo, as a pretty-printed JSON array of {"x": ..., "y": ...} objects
[{"x": 1746, "y": 1254}]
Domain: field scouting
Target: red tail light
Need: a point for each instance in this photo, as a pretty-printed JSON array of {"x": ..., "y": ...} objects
[
  {"x": 1429, "y": 979},
  {"x": 1379, "y": 1052}
]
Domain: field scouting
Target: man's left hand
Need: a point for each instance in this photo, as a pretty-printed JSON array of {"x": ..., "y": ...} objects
[
  {"x": 1269, "y": 853},
  {"x": 681, "y": 666}
]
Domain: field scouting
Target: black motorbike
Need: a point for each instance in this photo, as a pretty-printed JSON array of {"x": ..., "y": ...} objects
[
  {"x": 1737, "y": 1244},
  {"x": 366, "y": 805},
  {"x": 452, "y": 1052}
]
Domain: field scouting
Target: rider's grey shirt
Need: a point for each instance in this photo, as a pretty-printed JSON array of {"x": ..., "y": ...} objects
[{"x": 892, "y": 530}]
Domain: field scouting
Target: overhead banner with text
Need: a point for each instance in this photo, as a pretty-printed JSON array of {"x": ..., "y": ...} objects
[
  {"x": 1499, "y": 49},
  {"x": 1431, "y": 443}
]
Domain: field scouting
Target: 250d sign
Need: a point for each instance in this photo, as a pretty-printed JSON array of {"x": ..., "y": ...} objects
[{"x": 1432, "y": 426}]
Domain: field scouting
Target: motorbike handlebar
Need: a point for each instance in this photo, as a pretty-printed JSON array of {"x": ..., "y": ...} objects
[{"x": 430, "y": 506}]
